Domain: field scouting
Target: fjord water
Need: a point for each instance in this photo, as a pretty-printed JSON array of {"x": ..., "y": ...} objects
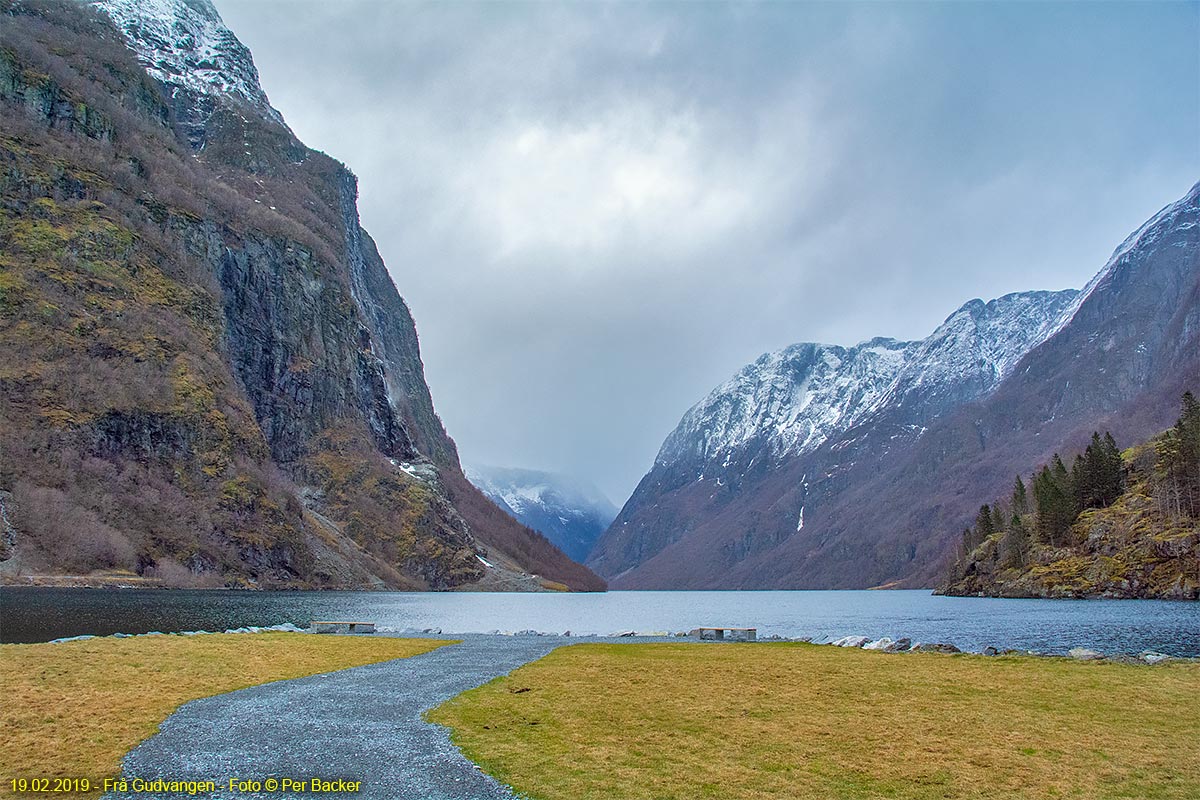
[{"x": 972, "y": 623}]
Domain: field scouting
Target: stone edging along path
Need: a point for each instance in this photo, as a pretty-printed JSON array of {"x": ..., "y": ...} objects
[{"x": 361, "y": 724}]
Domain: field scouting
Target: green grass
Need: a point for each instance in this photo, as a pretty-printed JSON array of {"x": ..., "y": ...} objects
[
  {"x": 625, "y": 722},
  {"x": 72, "y": 710}
]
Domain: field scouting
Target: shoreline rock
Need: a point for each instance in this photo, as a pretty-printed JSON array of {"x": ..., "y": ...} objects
[{"x": 883, "y": 644}]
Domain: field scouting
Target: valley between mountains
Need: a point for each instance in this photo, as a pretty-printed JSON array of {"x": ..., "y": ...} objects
[{"x": 209, "y": 378}]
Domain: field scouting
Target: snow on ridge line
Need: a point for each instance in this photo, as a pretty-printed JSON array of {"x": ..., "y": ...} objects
[
  {"x": 1190, "y": 202},
  {"x": 754, "y": 401},
  {"x": 185, "y": 45},
  {"x": 795, "y": 399}
]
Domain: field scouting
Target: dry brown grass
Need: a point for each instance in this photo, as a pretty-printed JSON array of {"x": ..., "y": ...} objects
[
  {"x": 74, "y": 709},
  {"x": 802, "y": 721}
]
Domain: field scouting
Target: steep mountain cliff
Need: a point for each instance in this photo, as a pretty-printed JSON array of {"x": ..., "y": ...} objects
[
  {"x": 207, "y": 375},
  {"x": 570, "y": 513},
  {"x": 822, "y": 466}
]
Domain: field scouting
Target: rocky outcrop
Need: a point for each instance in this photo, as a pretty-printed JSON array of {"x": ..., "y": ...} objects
[{"x": 1135, "y": 548}]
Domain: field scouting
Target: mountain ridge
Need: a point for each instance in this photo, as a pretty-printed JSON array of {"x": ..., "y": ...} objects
[
  {"x": 746, "y": 533},
  {"x": 791, "y": 402}
]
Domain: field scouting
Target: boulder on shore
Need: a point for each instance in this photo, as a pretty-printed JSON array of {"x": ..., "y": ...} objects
[
  {"x": 1084, "y": 654},
  {"x": 851, "y": 641}
]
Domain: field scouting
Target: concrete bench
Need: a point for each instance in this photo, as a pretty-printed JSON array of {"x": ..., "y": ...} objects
[
  {"x": 735, "y": 634},
  {"x": 320, "y": 626}
]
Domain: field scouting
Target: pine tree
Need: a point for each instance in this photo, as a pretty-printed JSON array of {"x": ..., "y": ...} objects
[
  {"x": 1168, "y": 490},
  {"x": 1112, "y": 476},
  {"x": 1187, "y": 431},
  {"x": 999, "y": 519},
  {"x": 1043, "y": 498},
  {"x": 1058, "y": 470},
  {"x": 1177, "y": 471},
  {"x": 1098, "y": 476},
  {"x": 1016, "y": 544},
  {"x": 1082, "y": 481},
  {"x": 1020, "y": 498},
  {"x": 983, "y": 525},
  {"x": 1055, "y": 503}
]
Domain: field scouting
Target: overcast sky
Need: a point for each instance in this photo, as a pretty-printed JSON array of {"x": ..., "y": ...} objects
[{"x": 598, "y": 212}]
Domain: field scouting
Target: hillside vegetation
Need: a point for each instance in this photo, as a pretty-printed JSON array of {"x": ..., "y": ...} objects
[
  {"x": 207, "y": 377},
  {"x": 1113, "y": 525}
]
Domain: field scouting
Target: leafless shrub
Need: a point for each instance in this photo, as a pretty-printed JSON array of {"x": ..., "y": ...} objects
[{"x": 73, "y": 534}]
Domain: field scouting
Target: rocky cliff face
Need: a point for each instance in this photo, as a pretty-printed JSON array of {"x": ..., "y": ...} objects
[
  {"x": 821, "y": 466},
  {"x": 208, "y": 375}
]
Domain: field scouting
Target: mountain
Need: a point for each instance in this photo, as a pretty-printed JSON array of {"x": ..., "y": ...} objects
[
  {"x": 768, "y": 434},
  {"x": 827, "y": 467},
  {"x": 570, "y": 513},
  {"x": 207, "y": 375}
]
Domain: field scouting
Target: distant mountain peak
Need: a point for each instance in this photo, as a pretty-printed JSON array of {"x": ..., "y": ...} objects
[
  {"x": 185, "y": 45},
  {"x": 569, "y": 512}
]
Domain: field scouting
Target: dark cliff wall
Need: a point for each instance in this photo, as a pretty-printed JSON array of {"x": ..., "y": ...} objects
[{"x": 207, "y": 374}]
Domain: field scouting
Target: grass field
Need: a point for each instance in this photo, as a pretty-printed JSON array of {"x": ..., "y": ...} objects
[
  {"x": 74, "y": 709},
  {"x": 802, "y": 721}
]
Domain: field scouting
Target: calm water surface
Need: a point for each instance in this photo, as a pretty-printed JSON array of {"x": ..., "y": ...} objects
[{"x": 33, "y": 615}]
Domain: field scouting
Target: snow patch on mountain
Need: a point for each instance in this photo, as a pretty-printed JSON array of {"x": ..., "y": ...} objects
[
  {"x": 185, "y": 45},
  {"x": 791, "y": 398},
  {"x": 977, "y": 347},
  {"x": 792, "y": 401}
]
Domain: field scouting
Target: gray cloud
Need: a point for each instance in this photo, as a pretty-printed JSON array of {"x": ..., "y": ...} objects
[{"x": 599, "y": 212}]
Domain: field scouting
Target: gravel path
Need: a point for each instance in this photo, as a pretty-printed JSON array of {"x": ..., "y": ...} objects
[{"x": 362, "y": 724}]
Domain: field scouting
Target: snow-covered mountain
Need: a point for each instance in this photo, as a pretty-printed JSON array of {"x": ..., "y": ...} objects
[
  {"x": 826, "y": 466},
  {"x": 569, "y": 512},
  {"x": 185, "y": 45},
  {"x": 790, "y": 402}
]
